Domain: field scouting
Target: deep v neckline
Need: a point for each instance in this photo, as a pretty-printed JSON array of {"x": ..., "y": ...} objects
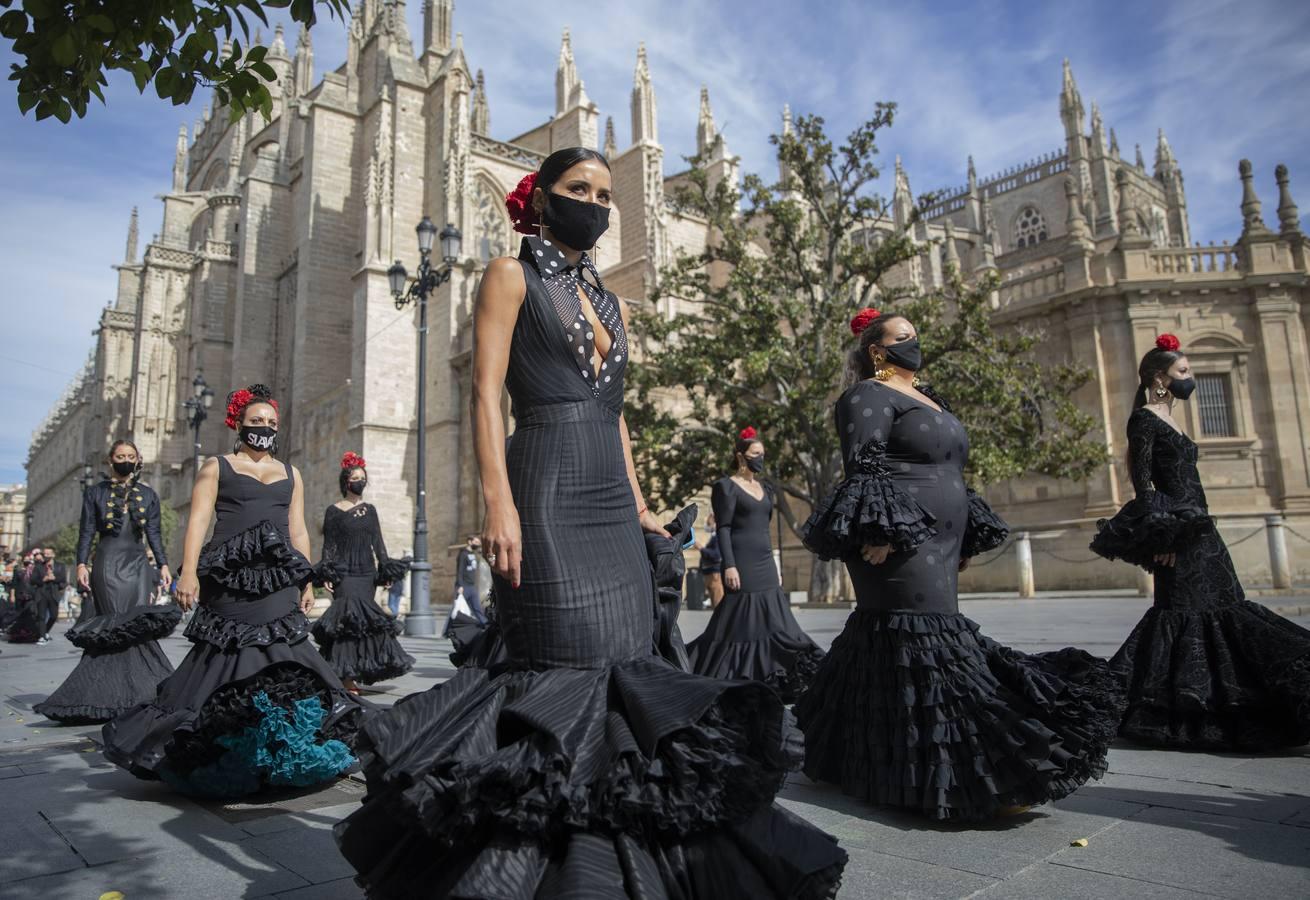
[
  {"x": 241, "y": 474},
  {"x": 583, "y": 297},
  {"x": 759, "y": 499}
]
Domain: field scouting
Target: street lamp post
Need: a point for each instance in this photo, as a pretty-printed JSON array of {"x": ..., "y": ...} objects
[
  {"x": 419, "y": 622},
  {"x": 197, "y": 410}
]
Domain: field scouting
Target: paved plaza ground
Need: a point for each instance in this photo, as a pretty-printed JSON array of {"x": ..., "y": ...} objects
[{"x": 1161, "y": 825}]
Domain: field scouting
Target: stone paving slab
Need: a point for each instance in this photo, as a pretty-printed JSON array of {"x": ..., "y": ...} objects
[{"x": 1048, "y": 881}]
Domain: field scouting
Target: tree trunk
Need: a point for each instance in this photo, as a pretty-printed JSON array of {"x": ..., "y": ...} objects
[{"x": 824, "y": 581}]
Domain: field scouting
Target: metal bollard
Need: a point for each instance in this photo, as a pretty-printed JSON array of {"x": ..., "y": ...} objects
[
  {"x": 1023, "y": 557},
  {"x": 1279, "y": 565}
]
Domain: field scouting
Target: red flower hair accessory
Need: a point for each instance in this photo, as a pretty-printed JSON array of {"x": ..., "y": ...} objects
[
  {"x": 1167, "y": 342},
  {"x": 862, "y": 320},
  {"x": 237, "y": 403},
  {"x": 748, "y": 433},
  {"x": 519, "y": 204},
  {"x": 352, "y": 460}
]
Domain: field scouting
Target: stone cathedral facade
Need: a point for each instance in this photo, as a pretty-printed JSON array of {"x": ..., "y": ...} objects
[{"x": 270, "y": 266}]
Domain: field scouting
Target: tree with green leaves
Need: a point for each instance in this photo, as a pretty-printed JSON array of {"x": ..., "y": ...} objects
[
  {"x": 67, "y": 46},
  {"x": 763, "y": 338}
]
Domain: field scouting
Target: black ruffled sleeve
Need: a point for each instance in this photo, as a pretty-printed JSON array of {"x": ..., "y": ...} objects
[
  {"x": 1153, "y": 522},
  {"x": 868, "y": 507},
  {"x": 389, "y": 570},
  {"x": 86, "y": 530},
  {"x": 985, "y": 530}
]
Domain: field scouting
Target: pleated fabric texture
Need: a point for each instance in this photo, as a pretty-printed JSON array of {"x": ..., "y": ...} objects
[{"x": 580, "y": 763}]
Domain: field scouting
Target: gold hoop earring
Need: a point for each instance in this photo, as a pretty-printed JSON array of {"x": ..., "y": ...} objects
[{"x": 880, "y": 371}]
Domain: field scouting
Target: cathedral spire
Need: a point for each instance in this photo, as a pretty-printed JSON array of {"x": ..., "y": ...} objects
[
  {"x": 304, "y": 61},
  {"x": 481, "y": 114},
  {"x": 278, "y": 49},
  {"x": 902, "y": 199},
  {"x": 1141, "y": 163},
  {"x": 973, "y": 177},
  {"x": 1114, "y": 144},
  {"x": 1252, "y": 222},
  {"x": 784, "y": 170},
  {"x": 643, "y": 101},
  {"x": 437, "y": 20},
  {"x": 1098, "y": 132},
  {"x": 706, "y": 131},
  {"x": 1289, "y": 220},
  {"x": 1071, "y": 104},
  {"x": 179, "y": 161},
  {"x": 611, "y": 148},
  {"x": 566, "y": 75},
  {"x": 129, "y": 258},
  {"x": 1165, "y": 164}
]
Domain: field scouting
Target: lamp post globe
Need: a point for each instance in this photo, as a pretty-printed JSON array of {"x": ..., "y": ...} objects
[
  {"x": 426, "y": 232},
  {"x": 451, "y": 240}
]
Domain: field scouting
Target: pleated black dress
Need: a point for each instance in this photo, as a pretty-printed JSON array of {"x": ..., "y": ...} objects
[
  {"x": 752, "y": 633},
  {"x": 1206, "y": 668},
  {"x": 121, "y": 662},
  {"x": 586, "y": 766},
  {"x": 913, "y": 706},
  {"x": 252, "y": 705},
  {"x": 355, "y": 636}
]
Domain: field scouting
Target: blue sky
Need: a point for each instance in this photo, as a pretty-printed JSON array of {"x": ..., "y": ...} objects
[{"x": 1225, "y": 80}]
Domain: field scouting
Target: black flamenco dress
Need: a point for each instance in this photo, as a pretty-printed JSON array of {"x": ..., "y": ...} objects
[
  {"x": 252, "y": 705},
  {"x": 586, "y": 765},
  {"x": 118, "y": 629},
  {"x": 914, "y": 707},
  {"x": 355, "y": 636},
  {"x": 1206, "y": 668},
  {"x": 752, "y": 633}
]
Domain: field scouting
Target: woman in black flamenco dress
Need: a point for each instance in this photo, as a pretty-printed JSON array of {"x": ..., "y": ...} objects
[
  {"x": 118, "y": 629},
  {"x": 752, "y": 633},
  {"x": 1206, "y": 668},
  {"x": 252, "y": 705},
  {"x": 584, "y": 765},
  {"x": 913, "y": 707},
  {"x": 355, "y": 636}
]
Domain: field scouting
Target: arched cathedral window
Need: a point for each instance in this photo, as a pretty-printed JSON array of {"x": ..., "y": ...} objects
[
  {"x": 1029, "y": 228},
  {"x": 490, "y": 226}
]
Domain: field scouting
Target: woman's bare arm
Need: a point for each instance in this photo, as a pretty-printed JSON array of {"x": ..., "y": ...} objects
[
  {"x": 298, "y": 532},
  {"x": 203, "y": 495},
  {"x": 500, "y": 297},
  {"x": 644, "y": 515}
]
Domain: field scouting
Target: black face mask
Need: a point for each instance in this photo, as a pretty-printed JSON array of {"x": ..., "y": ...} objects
[
  {"x": 576, "y": 223},
  {"x": 124, "y": 468},
  {"x": 755, "y": 464},
  {"x": 906, "y": 354},
  {"x": 356, "y": 487},
  {"x": 259, "y": 437},
  {"x": 1182, "y": 387}
]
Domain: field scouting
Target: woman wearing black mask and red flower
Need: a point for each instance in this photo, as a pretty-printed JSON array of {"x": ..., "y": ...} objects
[
  {"x": 578, "y": 763},
  {"x": 355, "y": 636},
  {"x": 1206, "y": 669},
  {"x": 752, "y": 633},
  {"x": 913, "y": 707},
  {"x": 252, "y": 705},
  {"x": 117, "y": 631}
]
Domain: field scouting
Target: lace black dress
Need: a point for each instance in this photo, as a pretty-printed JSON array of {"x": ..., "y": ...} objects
[
  {"x": 752, "y": 633},
  {"x": 1205, "y": 667},
  {"x": 913, "y": 706},
  {"x": 252, "y": 705},
  {"x": 355, "y": 636},
  {"x": 586, "y": 765},
  {"x": 117, "y": 631}
]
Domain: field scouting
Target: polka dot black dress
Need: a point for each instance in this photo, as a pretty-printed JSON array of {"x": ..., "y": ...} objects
[{"x": 913, "y": 706}]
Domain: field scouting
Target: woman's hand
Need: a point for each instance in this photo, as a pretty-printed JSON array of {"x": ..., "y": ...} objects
[
  {"x": 1166, "y": 559},
  {"x": 188, "y": 588},
  {"x": 83, "y": 577},
  {"x": 650, "y": 524},
  {"x": 307, "y": 599},
  {"x": 732, "y": 578},
  {"x": 165, "y": 577},
  {"x": 876, "y": 556},
  {"x": 502, "y": 543}
]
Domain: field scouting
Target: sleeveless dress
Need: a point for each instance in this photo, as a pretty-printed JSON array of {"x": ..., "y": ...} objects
[
  {"x": 585, "y": 764},
  {"x": 121, "y": 662},
  {"x": 1206, "y": 668},
  {"x": 752, "y": 633},
  {"x": 355, "y": 636},
  {"x": 913, "y": 706},
  {"x": 252, "y": 705}
]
